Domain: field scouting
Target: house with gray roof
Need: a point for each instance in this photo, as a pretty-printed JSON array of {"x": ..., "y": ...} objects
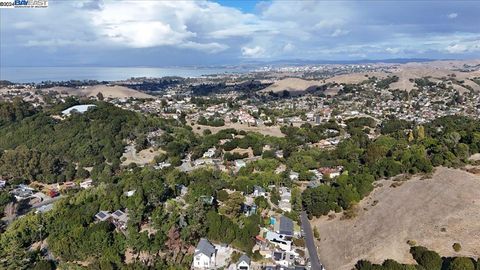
[
  {"x": 102, "y": 215},
  {"x": 243, "y": 263},
  {"x": 204, "y": 256},
  {"x": 258, "y": 191}
]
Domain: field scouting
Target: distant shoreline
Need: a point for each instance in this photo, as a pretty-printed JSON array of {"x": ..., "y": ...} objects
[{"x": 39, "y": 74}]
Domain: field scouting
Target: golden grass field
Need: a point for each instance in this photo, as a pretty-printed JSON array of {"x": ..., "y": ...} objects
[{"x": 435, "y": 213}]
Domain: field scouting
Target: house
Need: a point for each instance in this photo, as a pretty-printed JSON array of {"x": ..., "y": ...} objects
[
  {"x": 162, "y": 165},
  {"x": 22, "y": 192},
  {"x": 120, "y": 216},
  {"x": 293, "y": 176},
  {"x": 120, "y": 219},
  {"x": 207, "y": 199},
  {"x": 2, "y": 183},
  {"x": 86, "y": 184},
  {"x": 331, "y": 172},
  {"x": 283, "y": 258},
  {"x": 181, "y": 190},
  {"x": 240, "y": 163},
  {"x": 204, "y": 256},
  {"x": 258, "y": 191},
  {"x": 243, "y": 263},
  {"x": 69, "y": 185},
  {"x": 209, "y": 153},
  {"x": 102, "y": 215},
  {"x": 285, "y": 226},
  {"x": 285, "y": 198},
  {"x": 78, "y": 109},
  {"x": 130, "y": 193},
  {"x": 249, "y": 210},
  {"x": 313, "y": 184},
  {"x": 279, "y": 240}
]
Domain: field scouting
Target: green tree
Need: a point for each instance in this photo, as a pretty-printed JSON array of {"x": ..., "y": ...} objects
[{"x": 462, "y": 263}]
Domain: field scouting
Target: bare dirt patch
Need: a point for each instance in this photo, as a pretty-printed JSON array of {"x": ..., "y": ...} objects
[
  {"x": 270, "y": 131},
  {"x": 434, "y": 212},
  {"x": 143, "y": 157}
]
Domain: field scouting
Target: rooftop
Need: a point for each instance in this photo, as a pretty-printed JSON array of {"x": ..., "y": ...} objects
[
  {"x": 205, "y": 247},
  {"x": 78, "y": 108}
]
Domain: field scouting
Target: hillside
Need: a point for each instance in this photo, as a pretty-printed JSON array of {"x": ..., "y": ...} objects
[
  {"x": 435, "y": 213},
  {"x": 107, "y": 91},
  {"x": 291, "y": 85}
]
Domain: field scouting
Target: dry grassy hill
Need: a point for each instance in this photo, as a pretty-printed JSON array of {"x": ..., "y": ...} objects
[
  {"x": 435, "y": 213},
  {"x": 291, "y": 85}
]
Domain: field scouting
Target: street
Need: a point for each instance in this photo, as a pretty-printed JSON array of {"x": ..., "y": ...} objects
[{"x": 310, "y": 243}]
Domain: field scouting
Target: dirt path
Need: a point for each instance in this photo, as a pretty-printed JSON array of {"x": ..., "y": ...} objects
[{"x": 435, "y": 213}]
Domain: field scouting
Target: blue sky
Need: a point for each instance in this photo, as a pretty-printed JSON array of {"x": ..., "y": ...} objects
[{"x": 180, "y": 33}]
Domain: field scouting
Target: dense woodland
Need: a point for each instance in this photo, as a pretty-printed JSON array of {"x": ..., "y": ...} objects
[{"x": 37, "y": 146}]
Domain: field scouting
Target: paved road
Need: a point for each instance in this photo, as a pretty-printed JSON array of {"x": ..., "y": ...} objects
[
  {"x": 310, "y": 243},
  {"x": 47, "y": 201}
]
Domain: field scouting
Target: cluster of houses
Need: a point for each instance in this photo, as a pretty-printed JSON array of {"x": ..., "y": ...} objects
[
  {"x": 274, "y": 243},
  {"x": 117, "y": 218}
]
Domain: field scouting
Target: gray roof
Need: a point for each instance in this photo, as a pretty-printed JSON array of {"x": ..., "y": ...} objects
[
  {"x": 244, "y": 258},
  {"x": 259, "y": 188},
  {"x": 286, "y": 225},
  {"x": 102, "y": 215},
  {"x": 205, "y": 247}
]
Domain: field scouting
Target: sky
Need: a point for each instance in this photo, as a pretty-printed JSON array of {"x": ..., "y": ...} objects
[{"x": 184, "y": 33}]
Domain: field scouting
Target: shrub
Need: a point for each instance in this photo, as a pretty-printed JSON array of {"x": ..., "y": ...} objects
[
  {"x": 222, "y": 195},
  {"x": 457, "y": 247},
  {"x": 411, "y": 242},
  {"x": 256, "y": 256},
  {"x": 316, "y": 234},
  {"x": 461, "y": 263},
  {"x": 426, "y": 258}
]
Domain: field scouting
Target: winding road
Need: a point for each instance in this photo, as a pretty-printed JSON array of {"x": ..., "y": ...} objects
[{"x": 310, "y": 243}]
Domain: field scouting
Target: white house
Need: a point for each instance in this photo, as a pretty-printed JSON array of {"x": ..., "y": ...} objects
[
  {"x": 240, "y": 163},
  {"x": 87, "y": 183},
  {"x": 279, "y": 240},
  {"x": 209, "y": 153},
  {"x": 205, "y": 254},
  {"x": 78, "y": 109},
  {"x": 243, "y": 263},
  {"x": 293, "y": 176}
]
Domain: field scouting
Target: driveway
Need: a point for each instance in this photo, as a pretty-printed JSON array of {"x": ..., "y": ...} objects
[{"x": 310, "y": 243}]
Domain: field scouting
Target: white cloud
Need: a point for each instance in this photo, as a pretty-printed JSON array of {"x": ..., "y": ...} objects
[
  {"x": 393, "y": 50},
  {"x": 452, "y": 15},
  {"x": 253, "y": 52},
  {"x": 186, "y": 24},
  {"x": 457, "y": 48},
  {"x": 278, "y": 29},
  {"x": 340, "y": 32},
  {"x": 288, "y": 47}
]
